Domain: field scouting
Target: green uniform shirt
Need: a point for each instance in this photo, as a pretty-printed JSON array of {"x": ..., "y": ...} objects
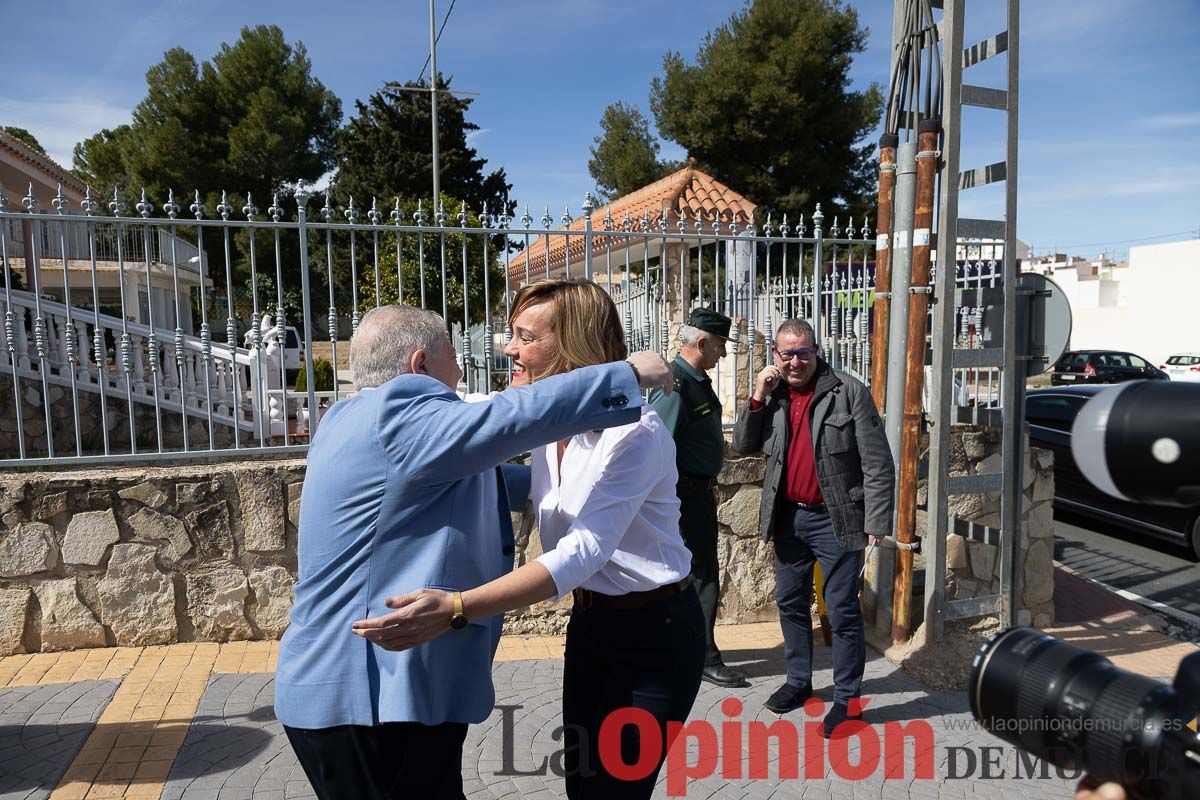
[{"x": 692, "y": 413}]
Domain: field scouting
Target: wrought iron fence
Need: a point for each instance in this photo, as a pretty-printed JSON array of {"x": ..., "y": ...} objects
[{"x": 169, "y": 333}]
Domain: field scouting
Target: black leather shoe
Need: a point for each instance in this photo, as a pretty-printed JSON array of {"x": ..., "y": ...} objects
[
  {"x": 788, "y": 698},
  {"x": 725, "y": 677},
  {"x": 837, "y": 715}
]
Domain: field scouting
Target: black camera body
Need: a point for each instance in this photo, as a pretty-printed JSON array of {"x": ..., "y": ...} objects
[{"x": 1138, "y": 441}]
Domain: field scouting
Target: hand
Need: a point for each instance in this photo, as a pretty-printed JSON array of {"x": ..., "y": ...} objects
[
  {"x": 874, "y": 540},
  {"x": 1107, "y": 791},
  {"x": 653, "y": 372},
  {"x": 766, "y": 382},
  {"x": 419, "y": 617}
]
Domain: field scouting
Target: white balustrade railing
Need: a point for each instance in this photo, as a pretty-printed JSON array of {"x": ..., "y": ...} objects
[{"x": 146, "y": 365}]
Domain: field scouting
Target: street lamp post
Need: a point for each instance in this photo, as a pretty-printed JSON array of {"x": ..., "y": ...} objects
[{"x": 433, "y": 98}]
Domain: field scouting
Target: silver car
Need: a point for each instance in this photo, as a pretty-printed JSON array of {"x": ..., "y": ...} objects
[{"x": 1183, "y": 367}]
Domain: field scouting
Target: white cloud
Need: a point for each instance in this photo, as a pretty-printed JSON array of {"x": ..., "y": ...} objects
[
  {"x": 474, "y": 136},
  {"x": 1161, "y": 182},
  {"x": 1187, "y": 119},
  {"x": 60, "y": 124}
]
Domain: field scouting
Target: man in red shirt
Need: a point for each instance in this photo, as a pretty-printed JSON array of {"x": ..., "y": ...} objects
[{"x": 827, "y": 491}]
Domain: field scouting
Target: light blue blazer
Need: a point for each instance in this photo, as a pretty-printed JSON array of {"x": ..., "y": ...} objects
[{"x": 403, "y": 491}]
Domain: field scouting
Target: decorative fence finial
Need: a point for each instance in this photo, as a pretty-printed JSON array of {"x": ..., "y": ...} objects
[
  {"x": 248, "y": 210},
  {"x": 327, "y": 210},
  {"x": 302, "y": 194}
]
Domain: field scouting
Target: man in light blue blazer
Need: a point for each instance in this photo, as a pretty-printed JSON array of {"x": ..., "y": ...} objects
[{"x": 404, "y": 491}]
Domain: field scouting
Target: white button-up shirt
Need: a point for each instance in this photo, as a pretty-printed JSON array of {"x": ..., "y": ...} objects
[{"x": 611, "y": 523}]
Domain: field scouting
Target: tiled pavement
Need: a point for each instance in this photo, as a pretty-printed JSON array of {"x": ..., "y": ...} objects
[
  {"x": 41, "y": 731},
  {"x": 194, "y": 722}
]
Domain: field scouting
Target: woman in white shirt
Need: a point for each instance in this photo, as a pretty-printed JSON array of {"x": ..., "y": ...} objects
[{"x": 608, "y": 517}]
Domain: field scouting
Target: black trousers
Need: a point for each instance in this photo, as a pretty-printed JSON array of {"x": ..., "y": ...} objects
[
  {"x": 392, "y": 761},
  {"x": 649, "y": 658},
  {"x": 698, "y": 526},
  {"x": 802, "y": 538}
]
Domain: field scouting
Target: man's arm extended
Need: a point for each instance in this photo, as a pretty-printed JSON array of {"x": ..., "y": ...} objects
[{"x": 440, "y": 439}]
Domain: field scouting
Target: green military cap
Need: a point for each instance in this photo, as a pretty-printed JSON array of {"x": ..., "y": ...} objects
[{"x": 710, "y": 322}]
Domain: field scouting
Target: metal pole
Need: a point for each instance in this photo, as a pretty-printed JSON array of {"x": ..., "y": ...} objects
[
  {"x": 893, "y": 355},
  {"x": 944, "y": 316},
  {"x": 433, "y": 99},
  {"x": 306, "y": 307},
  {"x": 1012, "y": 380},
  {"x": 906, "y": 170},
  {"x": 918, "y": 311}
]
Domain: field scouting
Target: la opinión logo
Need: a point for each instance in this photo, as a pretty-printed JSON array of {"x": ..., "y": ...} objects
[{"x": 735, "y": 749}]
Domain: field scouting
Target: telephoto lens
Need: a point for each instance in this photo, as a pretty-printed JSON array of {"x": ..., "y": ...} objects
[
  {"x": 1139, "y": 441},
  {"x": 1075, "y": 709}
]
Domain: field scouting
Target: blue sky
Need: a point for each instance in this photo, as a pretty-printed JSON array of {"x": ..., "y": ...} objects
[{"x": 1110, "y": 101}]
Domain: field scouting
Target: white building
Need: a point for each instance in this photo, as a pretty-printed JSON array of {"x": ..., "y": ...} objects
[{"x": 1146, "y": 306}]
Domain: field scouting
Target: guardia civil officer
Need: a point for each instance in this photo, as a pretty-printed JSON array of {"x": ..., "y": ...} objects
[{"x": 693, "y": 415}]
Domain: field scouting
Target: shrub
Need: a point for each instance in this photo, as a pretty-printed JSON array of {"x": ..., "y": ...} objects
[{"x": 323, "y": 377}]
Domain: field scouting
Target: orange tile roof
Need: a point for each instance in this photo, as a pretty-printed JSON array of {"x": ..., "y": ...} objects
[
  {"x": 49, "y": 166},
  {"x": 689, "y": 190}
]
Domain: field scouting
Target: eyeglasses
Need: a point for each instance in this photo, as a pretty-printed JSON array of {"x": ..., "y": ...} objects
[{"x": 805, "y": 354}]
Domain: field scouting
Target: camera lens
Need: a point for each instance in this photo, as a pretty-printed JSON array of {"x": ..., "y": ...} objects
[
  {"x": 1139, "y": 442},
  {"x": 1075, "y": 709}
]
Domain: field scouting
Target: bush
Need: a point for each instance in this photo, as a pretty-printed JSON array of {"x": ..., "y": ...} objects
[{"x": 323, "y": 377}]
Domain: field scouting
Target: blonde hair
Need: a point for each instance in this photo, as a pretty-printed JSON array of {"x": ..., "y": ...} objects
[{"x": 585, "y": 321}]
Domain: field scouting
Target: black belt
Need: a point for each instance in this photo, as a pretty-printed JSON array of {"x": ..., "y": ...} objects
[
  {"x": 585, "y": 598},
  {"x": 696, "y": 482},
  {"x": 816, "y": 508}
]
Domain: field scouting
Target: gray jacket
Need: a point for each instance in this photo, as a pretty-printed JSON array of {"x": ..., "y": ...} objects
[{"x": 854, "y": 464}]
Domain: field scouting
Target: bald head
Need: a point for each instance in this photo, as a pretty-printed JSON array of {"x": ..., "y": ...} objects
[{"x": 398, "y": 340}]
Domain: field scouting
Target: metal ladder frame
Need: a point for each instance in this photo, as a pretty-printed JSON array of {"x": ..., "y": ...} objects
[{"x": 956, "y": 60}]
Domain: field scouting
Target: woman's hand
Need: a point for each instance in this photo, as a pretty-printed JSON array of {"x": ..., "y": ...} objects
[{"x": 419, "y": 617}]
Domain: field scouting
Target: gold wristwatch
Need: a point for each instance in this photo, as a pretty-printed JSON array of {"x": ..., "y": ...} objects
[{"x": 458, "y": 620}]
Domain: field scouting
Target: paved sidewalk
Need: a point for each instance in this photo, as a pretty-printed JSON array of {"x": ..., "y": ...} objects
[
  {"x": 1128, "y": 634},
  {"x": 195, "y": 721}
]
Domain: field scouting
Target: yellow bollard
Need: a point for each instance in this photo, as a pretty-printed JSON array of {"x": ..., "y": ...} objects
[{"x": 819, "y": 583}]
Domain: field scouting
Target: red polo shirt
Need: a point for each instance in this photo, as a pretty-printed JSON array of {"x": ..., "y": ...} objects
[{"x": 800, "y": 483}]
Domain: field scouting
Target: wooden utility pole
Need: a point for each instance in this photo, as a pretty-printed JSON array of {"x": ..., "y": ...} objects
[
  {"x": 883, "y": 274},
  {"x": 914, "y": 366}
]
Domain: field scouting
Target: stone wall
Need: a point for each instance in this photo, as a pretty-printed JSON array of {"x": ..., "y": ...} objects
[
  {"x": 147, "y": 556},
  {"x": 208, "y": 552},
  {"x": 973, "y": 567}
]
